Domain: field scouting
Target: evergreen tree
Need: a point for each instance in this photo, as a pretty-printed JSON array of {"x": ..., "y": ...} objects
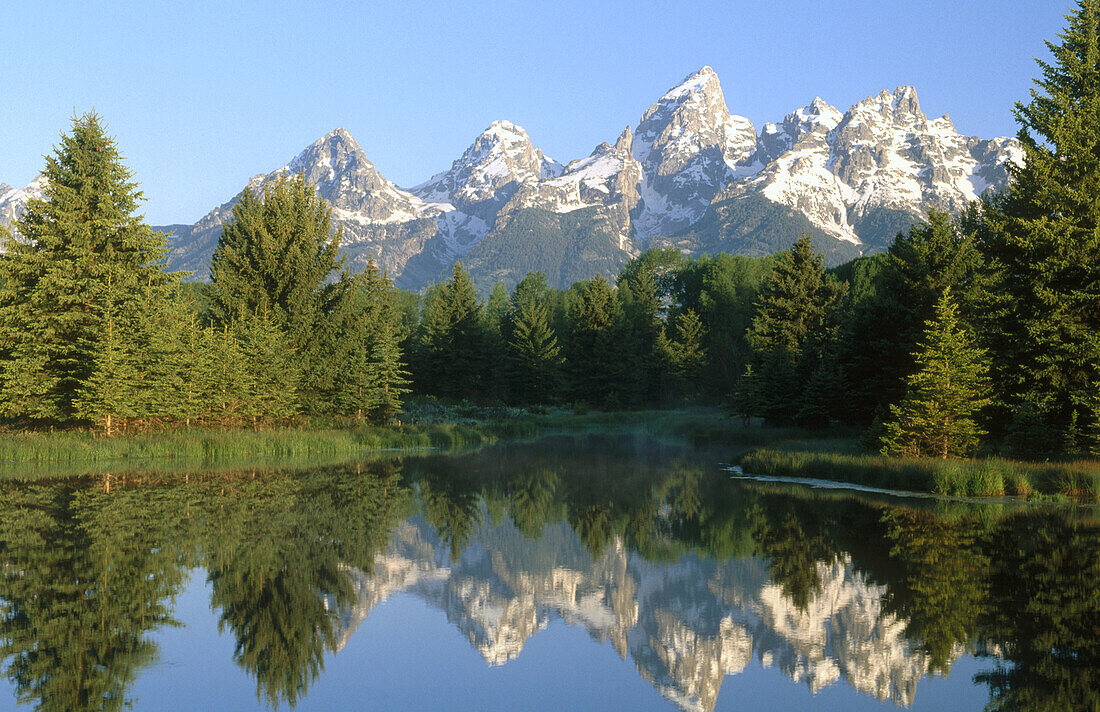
[
  {"x": 110, "y": 393},
  {"x": 279, "y": 256},
  {"x": 1047, "y": 234},
  {"x": 533, "y": 346},
  {"x": 54, "y": 296},
  {"x": 270, "y": 374},
  {"x": 950, "y": 385},
  {"x": 722, "y": 289},
  {"x": 791, "y": 329},
  {"x": 882, "y": 331},
  {"x": 683, "y": 358},
  {"x": 593, "y": 352},
  {"x": 640, "y": 366},
  {"x": 228, "y": 376},
  {"x": 383, "y": 338},
  {"x": 454, "y": 339}
]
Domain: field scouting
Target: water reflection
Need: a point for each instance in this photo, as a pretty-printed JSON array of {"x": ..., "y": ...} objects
[{"x": 645, "y": 546}]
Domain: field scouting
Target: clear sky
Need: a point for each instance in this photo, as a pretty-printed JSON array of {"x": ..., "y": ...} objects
[{"x": 201, "y": 95}]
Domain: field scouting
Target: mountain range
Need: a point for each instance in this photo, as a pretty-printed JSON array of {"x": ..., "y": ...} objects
[
  {"x": 690, "y": 175},
  {"x": 685, "y": 625}
]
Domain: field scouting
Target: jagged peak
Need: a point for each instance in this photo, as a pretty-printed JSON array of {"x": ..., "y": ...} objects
[
  {"x": 817, "y": 113},
  {"x": 624, "y": 141},
  {"x": 900, "y": 105},
  {"x": 503, "y": 130},
  {"x": 702, "y": 80}
]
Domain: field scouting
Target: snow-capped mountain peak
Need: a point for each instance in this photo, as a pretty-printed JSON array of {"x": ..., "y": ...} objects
[
  {"x": 500, "y": 160},
  {"x": 690, "y": 146},
  {"x": 13, "y": 201}
]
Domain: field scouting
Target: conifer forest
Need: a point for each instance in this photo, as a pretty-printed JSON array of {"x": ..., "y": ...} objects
[{"x": 974, "y": 333}]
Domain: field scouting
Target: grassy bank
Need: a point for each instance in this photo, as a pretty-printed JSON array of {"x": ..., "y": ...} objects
[
  {"x": 433, "y": 426},
  {"x": 965, "y": 478}
]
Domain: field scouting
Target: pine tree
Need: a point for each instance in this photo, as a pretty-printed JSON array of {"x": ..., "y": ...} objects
[
  {"x": 640, "y": 367},
  {"x": 270, "y": 372},
  {"x": 1047, "y": 233},
  {"x": 594, "y": 355},
  {"x": 228, "y": 376},
  {"x": 454, "y": 339},
  {"x": 950, "y": 385},
  {"x": 110, "y": 392},
  {"x": 54, "y": 296},
  {"x": 533, "y": 346},
  {"x": 883, "y": 330},
  {"x": 278, "y": 255},
  {"x": 683, "y": 358},
  {"x": 390, "y": 377},
  {"x": 790, "y": 329}
]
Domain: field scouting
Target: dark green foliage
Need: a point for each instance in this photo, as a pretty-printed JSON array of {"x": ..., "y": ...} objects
[
  {"x": 791, "y": 331},
  {"x": 1046, "y": 233},
  {"x": 594, "y": 353},
  {"x": 276, "y": 255},
  {"x": 454, "y": 341},
  {"x": 882, "y": 328},
  {"x": 332, "y": 337},
  {"x": 532, "y": 344},
  {"x": 721, "y": 290},
  {"x": 85, "y": 258},
  {"x": 949, "y": 387},
  {"x": 683, "y": 357}
]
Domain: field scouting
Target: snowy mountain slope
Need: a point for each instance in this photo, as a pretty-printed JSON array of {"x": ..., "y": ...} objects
[
  {"x": 500, "y": 162},
  {"x": 882, "y": 156},
  {"x": 13, "y": 201},
  {"x": 690, "y": 174},
  {"x": 690, "y": 147},
  {"x": 686, "y": 625}
]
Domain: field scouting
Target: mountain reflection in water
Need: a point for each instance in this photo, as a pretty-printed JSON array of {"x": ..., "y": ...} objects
[{"x": 648, "y": 547}]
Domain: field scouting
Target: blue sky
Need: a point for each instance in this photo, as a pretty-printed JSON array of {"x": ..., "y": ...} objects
[{"x": 201, "y": 96}]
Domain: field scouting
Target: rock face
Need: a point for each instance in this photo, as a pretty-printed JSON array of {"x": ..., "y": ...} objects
[
  {"x": 862, "y": 175},
  {"x": 690, "y": 174},
  {"x": 686, "y": 625},
  {"x": 13, "y": 202}
]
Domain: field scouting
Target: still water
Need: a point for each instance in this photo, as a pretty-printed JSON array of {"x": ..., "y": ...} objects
[{"x": 594, "y": 573}]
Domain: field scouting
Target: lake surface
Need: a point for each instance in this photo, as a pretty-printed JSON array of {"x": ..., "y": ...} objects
[{"x": 587, "y": 573}]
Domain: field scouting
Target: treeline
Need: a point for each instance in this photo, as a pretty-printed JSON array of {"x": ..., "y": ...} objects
[
  {"x": 93, "y": 330},
  {"x": 970, "y": 332},
  {"x": 669, "y": 331}
]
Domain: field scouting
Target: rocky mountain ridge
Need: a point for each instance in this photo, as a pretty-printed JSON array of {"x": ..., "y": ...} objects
[
  {"x": 685, "y": 626},
  {"x": 690, "y": 174}
]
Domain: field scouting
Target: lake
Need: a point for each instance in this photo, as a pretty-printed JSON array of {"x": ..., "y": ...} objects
[{"x": 596, "y": 572}]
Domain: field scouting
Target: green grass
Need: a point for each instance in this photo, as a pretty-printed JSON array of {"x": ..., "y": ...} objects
[
  {"x": 991, "y": 477},
  {"x": 442, "y": 427}
]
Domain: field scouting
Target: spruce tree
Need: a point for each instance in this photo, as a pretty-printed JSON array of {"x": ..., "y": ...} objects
[
  {"x": 533, "y": 346},
  {"x": 791, "y": 329},
  {"x": 882, "y": 330},
  {"x": 454, "y": 339},
  {"x": 594, "y": 354},
  {"x": 110, "y": 393},
  {"x": 54, "y": 293},
  {"x": 386, "y": 358},
  {"x": 1047, "y": 234},
  {"x": 270, "y": 372},
  {"x": 278, "y": 255},
  {"x": 950, "y": 385}
]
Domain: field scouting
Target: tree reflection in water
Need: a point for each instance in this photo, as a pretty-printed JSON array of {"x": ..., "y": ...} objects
[{"x": 646, "y": 545}]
